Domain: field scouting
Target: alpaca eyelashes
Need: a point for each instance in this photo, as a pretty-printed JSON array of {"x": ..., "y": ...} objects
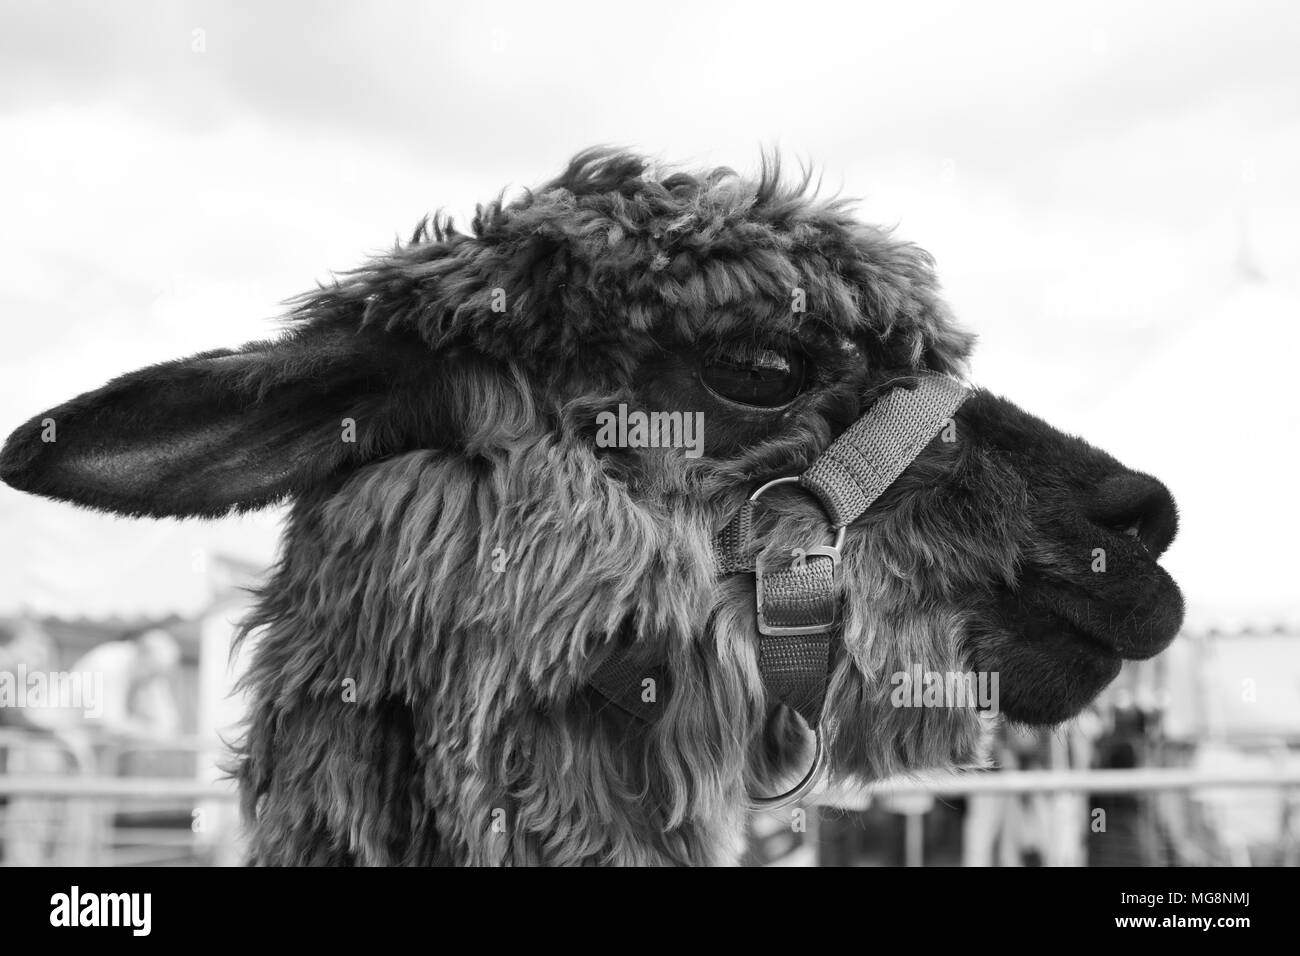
[{"x": 761, "y": 376}]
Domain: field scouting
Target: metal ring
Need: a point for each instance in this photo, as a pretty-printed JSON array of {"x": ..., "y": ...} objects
[
  {"x": 791, "y": 479},
  {"x": 809, "y": 780},
  {"x": 795, "y": 480}
]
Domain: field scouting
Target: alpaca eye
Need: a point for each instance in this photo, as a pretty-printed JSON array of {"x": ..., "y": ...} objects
[{"x": 763, "y": 376}]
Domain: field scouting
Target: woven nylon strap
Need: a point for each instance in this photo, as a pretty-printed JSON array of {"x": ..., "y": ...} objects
[
  {"x": 859, "y": 465},
  {"x": 847, "y": 479}
]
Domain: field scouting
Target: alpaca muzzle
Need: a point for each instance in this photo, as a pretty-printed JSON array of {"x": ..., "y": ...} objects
[{"x": 799, "y": 606}]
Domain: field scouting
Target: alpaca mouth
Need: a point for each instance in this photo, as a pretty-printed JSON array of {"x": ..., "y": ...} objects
[
  {"x": 1087, "y": 640},
  {"x": 1133, "y": 626},
  {"x": 1105, "y": 647},
  {"x": 1130, "y": 609},
  {"x": 1043, "y": 627},
  {"x": 1056, "y": 645},
  {"x": 1133, "y": 619},
  {"x": 1049, "y": 668}
]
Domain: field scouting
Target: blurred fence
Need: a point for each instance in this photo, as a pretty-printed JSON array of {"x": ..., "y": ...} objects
[
  {"x": 69, "y": 799},
  {"x": 1144, "y": 817},
  {"x": 1148, "y": 817},
  {"x": 65, "y": 801}
]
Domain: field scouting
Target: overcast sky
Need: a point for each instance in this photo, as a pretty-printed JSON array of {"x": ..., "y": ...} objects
[{"x": 1086, "y": 176}]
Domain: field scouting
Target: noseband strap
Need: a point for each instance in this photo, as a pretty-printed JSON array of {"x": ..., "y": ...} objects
[
  {"x": 798, "y": 605},
  {"x": 859, "y": 465}
]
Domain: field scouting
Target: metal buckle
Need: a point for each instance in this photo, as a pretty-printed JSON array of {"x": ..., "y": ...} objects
[{"x": 823, "y": 551}]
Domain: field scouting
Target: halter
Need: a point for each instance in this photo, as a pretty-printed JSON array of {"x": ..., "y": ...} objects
[{"x": 798, "y": 607}]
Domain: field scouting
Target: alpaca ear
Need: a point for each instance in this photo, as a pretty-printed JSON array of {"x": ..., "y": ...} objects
[{"x": 230, "y": 430}]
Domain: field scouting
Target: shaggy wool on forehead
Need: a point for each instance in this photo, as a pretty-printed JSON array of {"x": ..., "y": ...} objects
[{"x": 617, "y": 252}]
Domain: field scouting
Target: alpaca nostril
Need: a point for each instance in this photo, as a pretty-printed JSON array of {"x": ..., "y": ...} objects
[{"x": 1138, "y": 506}]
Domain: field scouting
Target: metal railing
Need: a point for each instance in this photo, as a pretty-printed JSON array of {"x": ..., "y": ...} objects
[
  {"x": 64, "y": 801},
  {"x": 1148, "y": 785},
  {"x": 1142, "y": 780},
  {"x": 76, "y": 815}
]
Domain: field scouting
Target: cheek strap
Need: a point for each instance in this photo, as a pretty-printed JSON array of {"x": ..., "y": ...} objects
[{"x": 799, "y": 605}]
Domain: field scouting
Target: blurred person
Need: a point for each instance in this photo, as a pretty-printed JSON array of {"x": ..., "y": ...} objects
[
  {"x": 137, "y": 702},
  {"x": 1071, "y": 818},
  {"x": 31, "y": 647},
  {"x": 139, "y": 695},
  {"x": 1009, "y": 829}
]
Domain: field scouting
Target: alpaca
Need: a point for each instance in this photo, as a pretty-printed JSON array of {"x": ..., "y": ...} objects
[{"x": 463, "y": 559}]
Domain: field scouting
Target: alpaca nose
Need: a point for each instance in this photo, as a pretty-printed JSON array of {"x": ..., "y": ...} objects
[{"x": 1139, "y": 506}]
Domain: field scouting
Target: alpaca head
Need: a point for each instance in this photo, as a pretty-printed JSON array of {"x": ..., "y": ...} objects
[{"x": 468, "y": 547}]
